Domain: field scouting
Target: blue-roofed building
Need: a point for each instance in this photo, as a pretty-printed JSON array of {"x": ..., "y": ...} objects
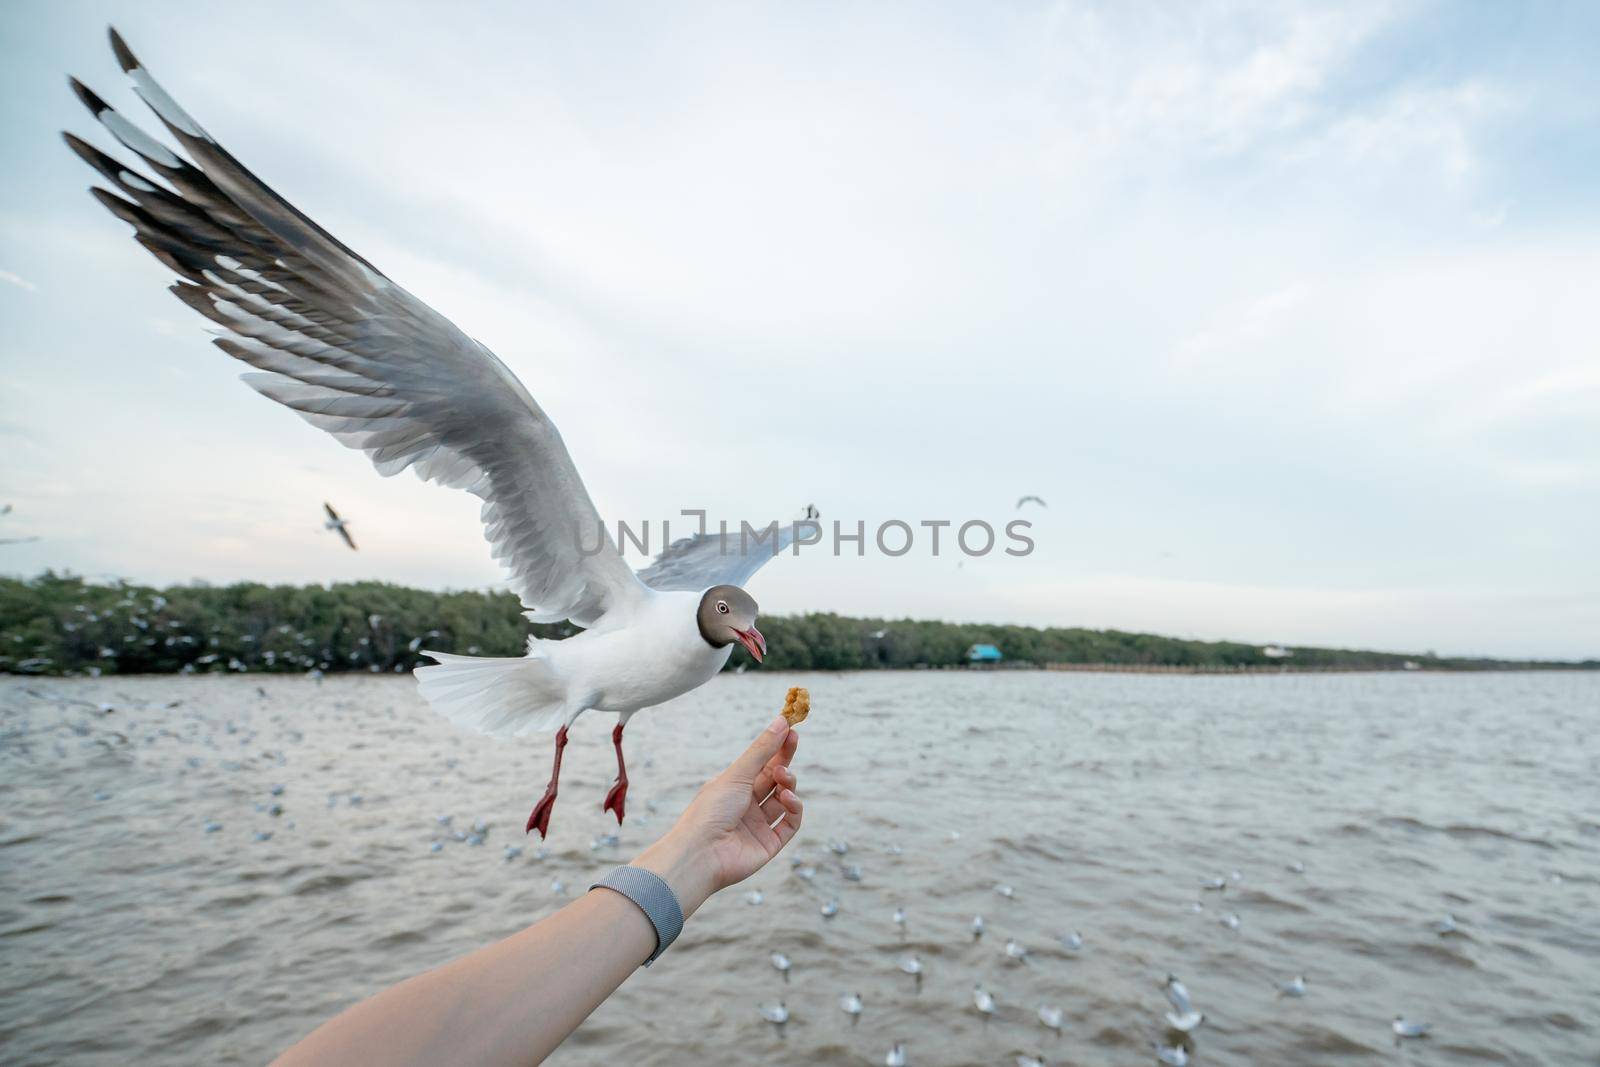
[{"x": 983, "y": 654}]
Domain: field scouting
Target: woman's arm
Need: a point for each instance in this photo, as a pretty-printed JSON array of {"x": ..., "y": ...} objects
[{"x": 515, "y": 1001}]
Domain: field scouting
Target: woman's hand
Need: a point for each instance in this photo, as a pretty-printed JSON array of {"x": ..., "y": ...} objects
[{"x": 736, "y": 823}]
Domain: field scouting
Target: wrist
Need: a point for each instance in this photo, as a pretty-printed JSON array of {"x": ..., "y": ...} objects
[{"x": 687, "y": 868}]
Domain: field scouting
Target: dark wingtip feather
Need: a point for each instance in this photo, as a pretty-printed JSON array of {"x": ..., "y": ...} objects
[
  {"x": 86, "y": 151},
  {"x": 125, "y": 55},
  {"x": 87, "y": 95}
]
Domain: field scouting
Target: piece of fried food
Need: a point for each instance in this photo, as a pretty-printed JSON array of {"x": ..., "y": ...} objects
[{"x": 797, "y": 705}]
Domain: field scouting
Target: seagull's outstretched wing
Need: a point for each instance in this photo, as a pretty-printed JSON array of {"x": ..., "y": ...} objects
[
  {"x": 715, "y": 558},
  {"x": 356, "y": 355}
]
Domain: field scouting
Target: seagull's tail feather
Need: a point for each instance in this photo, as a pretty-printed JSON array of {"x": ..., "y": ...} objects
[{"x": 499, "y": 697}]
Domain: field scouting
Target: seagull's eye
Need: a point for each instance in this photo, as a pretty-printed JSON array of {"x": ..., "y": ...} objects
[{"x": 722, "y": 606}]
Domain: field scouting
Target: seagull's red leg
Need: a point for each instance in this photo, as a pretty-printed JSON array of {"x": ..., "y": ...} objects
[
  {"x": 540, "y": 818},
  {"x": 619, "y": 791}
]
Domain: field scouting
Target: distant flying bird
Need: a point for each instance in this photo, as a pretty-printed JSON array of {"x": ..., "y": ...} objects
[
  {"x": 335, "y": 340},
  {"x": 1031, "y": 499},
  {"x": 5, "y": 509},
  {"x": 334, "y": 522}
]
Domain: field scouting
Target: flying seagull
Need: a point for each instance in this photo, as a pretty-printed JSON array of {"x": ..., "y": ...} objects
[
  {"x": 5, "y": 509},
  {"x": 335, "y": 340},
  {"x": 334, "y": 522},
  {"x": 1031, "y": 499}
]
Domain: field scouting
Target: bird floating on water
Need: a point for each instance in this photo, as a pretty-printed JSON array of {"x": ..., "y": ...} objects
[
  {"x": 850, "y": 1004},
  {"x": 1215, "y": 884},
  {"x": 1445, "y": 926},
  {"x": 1024, "y": 1060},
  {"x": 335, "y": 340},
  {"x": 829, "y": 908},
  {"x": 896, "y": 1056},
  {"x": 776, "y": 1014},
  {"x": 900, "y": 917},
  {"x": 977, "y": 927},
  {"x": 781, "y": 963},
  {"x": 755, "y": 896},
  {"x": 1403, "y": 1028},
  {"x": 1172, "y": 1055},
  {"x": 1294, "y": 987},
  {"x": 1005, "y": 891},
  {"x": 1072, "y": 942},
  {"x": 1050, "y": 1016},
  {"x": 911, "y": 965},
  {"x": 1182, "y": 1018},
  {"x": 983, "y": 1000},
  {"x": 1015, "y": 950},
  {"x": 1230, "y": 920}
]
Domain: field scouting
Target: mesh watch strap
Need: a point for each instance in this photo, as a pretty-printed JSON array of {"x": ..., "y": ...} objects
[{"x": 655, "y": 899}]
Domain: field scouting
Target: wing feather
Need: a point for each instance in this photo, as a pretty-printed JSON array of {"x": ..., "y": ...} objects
[
  {"x": 349, "y": 351},
  {"x": 713, "y": 558}
]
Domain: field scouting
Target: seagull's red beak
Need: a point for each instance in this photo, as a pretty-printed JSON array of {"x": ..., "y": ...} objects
[{"x": 752, "y": 640}]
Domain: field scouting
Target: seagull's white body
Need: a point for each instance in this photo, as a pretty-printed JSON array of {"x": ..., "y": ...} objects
[{"x": 647, "y": 657}]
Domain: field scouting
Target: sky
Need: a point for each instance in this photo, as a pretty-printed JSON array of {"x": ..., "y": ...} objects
[{"x": 1290, "y": 312}]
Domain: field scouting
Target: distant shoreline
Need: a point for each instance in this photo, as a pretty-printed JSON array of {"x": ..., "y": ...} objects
[{"x": 57, "y": 625}]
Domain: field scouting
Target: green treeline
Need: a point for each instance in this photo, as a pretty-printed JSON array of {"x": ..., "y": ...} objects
[{"x": 61, "y": 624}]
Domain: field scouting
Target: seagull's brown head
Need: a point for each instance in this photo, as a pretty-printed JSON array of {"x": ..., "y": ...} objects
[{"x": 728, "y": 614}]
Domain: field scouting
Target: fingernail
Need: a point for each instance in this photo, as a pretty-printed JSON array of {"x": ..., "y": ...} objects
[{"x": 779, "y": 725}]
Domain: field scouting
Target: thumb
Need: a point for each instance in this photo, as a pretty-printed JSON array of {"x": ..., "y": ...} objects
[{"x": 763, "y": 748}]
